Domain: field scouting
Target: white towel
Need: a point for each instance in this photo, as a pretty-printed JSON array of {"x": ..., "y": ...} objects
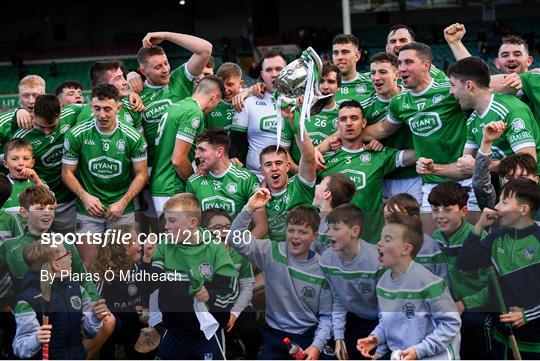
[{"x": 208, "y": 323}]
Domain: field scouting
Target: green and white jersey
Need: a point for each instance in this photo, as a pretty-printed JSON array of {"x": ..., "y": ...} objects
[
  {"x": 157, "y": 100},
  {"x": 319, "y": 127},
  {"x": 10, "y": 226},
  {"x": 367, "y": 170},
  {"x": 375, "y": 110},
  {"x": 242, "y": 265},
  {"x": 49, "y": 149},
  {"x": 531, "y": 89},
  {"x": 221, "y": 116},
  {"x": 6, "y": 130},
  {"x": 104, "y": 160},
  {"x": 521, "y": 127},
  {"x": 357, "y": 89},
  {"x": 126, "y": 114},
  {"x": 12, "y": 204},
  {"x": 259, "y": 120},
  {"x": 183, "y": 121},
  {"x": 436, "y": 121},
  {"x": 299, "y": 192},
  {"x": 229, "y": 191}
]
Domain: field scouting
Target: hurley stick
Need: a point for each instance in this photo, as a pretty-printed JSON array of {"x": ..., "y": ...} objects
[{"x": 45, "y": 286}]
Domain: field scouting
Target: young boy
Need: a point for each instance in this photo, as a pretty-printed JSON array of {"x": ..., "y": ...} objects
[
  {"x": 514, "y": 252},
  {"x": 19, "y": 160},
  {"x": 417, "y": 318},
  {"x": 70, "y": 306},
  {"x": 352, "y": 270},
  {"x": 202, "y": 268},
  {"x": 430, "y": 255},
  {"x": 218, "y": 221},
  {"x": 335, "y": 189},
  {"x": 298, "y": 298},
  {"x": 448, "y": 208}
]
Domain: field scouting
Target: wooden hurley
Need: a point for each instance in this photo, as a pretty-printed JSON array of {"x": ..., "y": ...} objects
[{"x": 46, "y": 295}]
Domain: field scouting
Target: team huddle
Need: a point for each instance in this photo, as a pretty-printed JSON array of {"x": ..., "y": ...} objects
[{"x": 399, "y": 225}]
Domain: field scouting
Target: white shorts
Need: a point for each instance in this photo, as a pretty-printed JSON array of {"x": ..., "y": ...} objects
[
  {"x": 65, "y": 217},
  {"x": 100, "y": 225},
  {"x": 472, "y": 204},
  {"x": 159, "y": 202},
  {"x": 412, "y": 186}
]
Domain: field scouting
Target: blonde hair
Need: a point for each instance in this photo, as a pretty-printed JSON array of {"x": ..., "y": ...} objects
[
  {"x": 185, "y": 202},
  {"x": 37, "y": 254},
  {"x": 32, "y": 81}
]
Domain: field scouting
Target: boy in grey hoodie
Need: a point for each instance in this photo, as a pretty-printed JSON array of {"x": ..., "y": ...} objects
[
  {"x": 298, "y": 298},
  {"x": 418, "y": 318}
]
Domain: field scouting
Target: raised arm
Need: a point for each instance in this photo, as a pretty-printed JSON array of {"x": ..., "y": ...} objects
[{"x": 453, "y": 35}]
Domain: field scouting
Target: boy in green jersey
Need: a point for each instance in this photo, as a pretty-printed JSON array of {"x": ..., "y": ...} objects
[
  {"x": 469, "y": 289},
  {"x": 19, "y": 160},
  {"x": 104, "y": 164},
  {"x": 174, "y": 142},
  {"x": 513, "y": 250},
  {"x": 47, "y": 140},
  {"x": 222, "y": 183},
  {"x": 222, "y": 115}
]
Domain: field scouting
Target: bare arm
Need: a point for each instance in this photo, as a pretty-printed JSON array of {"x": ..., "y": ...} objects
[
  {"x": 306, "y": 166},
  {"x": 180, "y": 159},
  {"x": 91, "y": 203},
  {"x": 380, "y": 130},
  {"x": 140, "y": 172},
  {"x": 453, "y": 35}
]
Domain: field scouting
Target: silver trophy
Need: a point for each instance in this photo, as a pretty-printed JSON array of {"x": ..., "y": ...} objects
[{"x": 300, "y": 79}]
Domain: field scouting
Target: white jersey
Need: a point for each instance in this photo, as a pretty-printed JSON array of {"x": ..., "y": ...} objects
[{"x": 259, "y": 120}]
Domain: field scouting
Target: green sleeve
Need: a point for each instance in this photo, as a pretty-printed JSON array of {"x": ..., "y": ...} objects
[
  {"x": 14, "y": 225},
  {"x": 470, "y": 137},
  {"x": 181, "y": 84},
  {"x": 85, "y": 113},
  {"x": 480, "y": 298},
  {"x": 72, "y": 148},
  {"x": 250, "y": 186},
  {"x": 246, "y": 270},
  {"x": 520, "y": 128},
  {"x": 393, "y": 110},
  {"x": 223, "y": 263},
  {"x": 189, "y": 124},
  {"x": 139, "y": 151},
  {"x": 390, "y": 159}
]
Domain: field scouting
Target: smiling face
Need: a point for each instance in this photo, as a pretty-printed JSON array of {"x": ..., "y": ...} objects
[
  {"x": 393, "y": 250},
  {"x": 461, "y": 91},
  {"x": 39, "y": 217},
  {"x": 510, "y": 210},
  {"x": 383, "y": 77},
  {"x": 299, "y": 238},
  {"x": 105, "y": 112},
  {"x": 271, "y": 67},
  {"x": 351, "y": 122},
  {"x": 18, "y": 159},
  {"x": 513, "y": 58},
  {"x": 412, "y": 69},
  {"x": 220, "y": 225},
  {"x": 345, "y": 56},
  {"x": 208, "y": 155},
  {"x": 233, "y": 85},
  {"x": 180, "y": 224},
  {"x": 274, "y": 168},
  {"x": 116, "y": 78},
  {"x": 329, "y": 83},
  {"x": 396, "y": 39},
  {"x": 28, "y": 95},
  {"x": 448, "y": 219},
  {"x": 341, "y": 235},
  {"x": 157, "y": 70}
]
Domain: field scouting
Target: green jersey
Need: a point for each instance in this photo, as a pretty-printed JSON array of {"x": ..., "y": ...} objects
[
  {"x": 357, "y": 89},
  {"x": 319, "y": 127},
  {"x": 436, "y": 121},
  {"x": 531, "y": 89},
  {"x": 467, "y": 286},
  {"x": 434, "y": 72},
  {"x": 157, "y": 100},
  {"x": 521, "y": 127},
  {"x": 17, "y": 187},
  {"x": 10, "y": 226},
  {"x": 183, "y": 121},
  {"x": 126, "y": 114},
  {"x": 299, "y": 192},
  {"x": 6, "y": 128},
  {"x": 375, "y": 109},
  {"x": 221, "y": 117},
  {"x": 229, "y": 191},
  {"x": 11, "y": 255},
  {"x": 104, "y": 160},
  {"x": 48, "y": 151},
  {"x": 242, "y": 265},
  {"x": 366, "y": 169}
]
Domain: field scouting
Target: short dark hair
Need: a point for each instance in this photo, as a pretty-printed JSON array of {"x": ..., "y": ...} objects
[
  {"x": 105, "y": 91},
  {"x": 341, "y": 187},
  {"x": 422, "y": 50},
  {"x": 144, "y": 53},
  {"x": 210, "y": 83},
  {"x": 5, "y": 189},
  {"x": 47, "y": 107},
  {"x": 271, "y": 149},
  {"x": 471, "y": 68},
  {"x": 68, "y": 84},
  {"x": 449, "y": 193},
  {"x": 216, "y": 136},
  {"x": 414, "y": 234},
  {"x": 210, "y": 213},
  {"x": 304, "y": 215},
  {"x": 509, "y": 165},
  {"x": 515, "y": 40},
  {"x": 384, "y": 57},
  {"x": 525, "y": 191},
  {"x": 351, "y": 104},
  {"x": 348, "y": 214},
  {"x": 98, "y": 71},
  {"x": 271, "y": 54},
  {"x": 345, "y": 39},
  {"x": 394, "y": 28},
  {"x": 329, "y": 67},
  {"x": 18, "y": 143},
  {"x": 36, "y": 195},
  {"x": 405, "y": 203}
]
